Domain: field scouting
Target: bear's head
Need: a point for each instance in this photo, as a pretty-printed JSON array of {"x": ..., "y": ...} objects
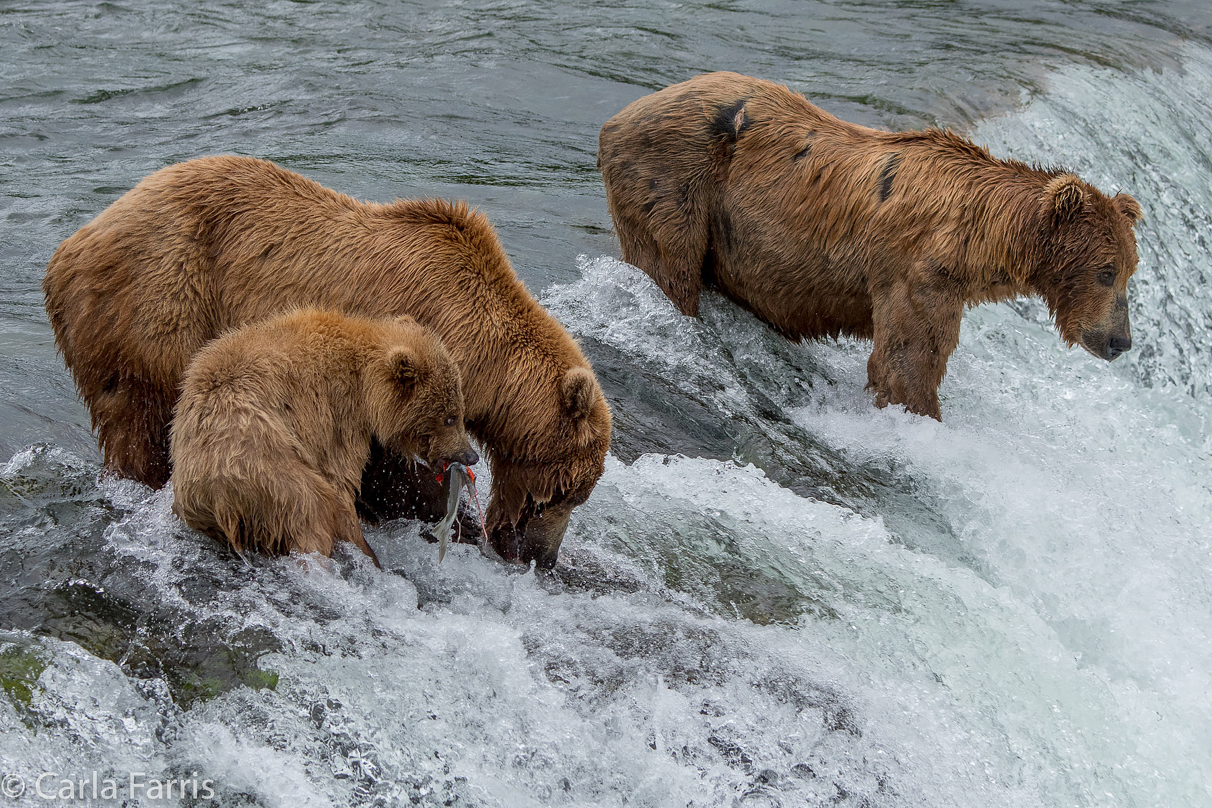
[
  {"x": 1088, "y": 255},
  {"x": 549, "y": 470},
  {"x": 414, "y": 397}
]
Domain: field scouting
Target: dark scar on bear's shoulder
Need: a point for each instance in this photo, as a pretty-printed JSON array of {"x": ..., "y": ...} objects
[
  {"x": 802, "y": 153},
  {"x": 888, "y": 174},
  {"x": 730, "y": 122}
]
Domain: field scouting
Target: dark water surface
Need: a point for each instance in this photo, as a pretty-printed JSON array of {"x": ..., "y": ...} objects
[{"x": 777, "y": 595}]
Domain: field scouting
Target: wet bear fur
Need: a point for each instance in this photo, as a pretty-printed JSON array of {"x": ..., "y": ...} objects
[
  {"x": 822, "y": 228},
  {"x": 275, "y": 420},
  {"x": 211, "y": 244}
]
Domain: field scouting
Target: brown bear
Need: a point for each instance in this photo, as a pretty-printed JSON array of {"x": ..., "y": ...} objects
[
  {"x": 273, "y": 427},
  {"x": 821, "y": 227},
  {"x": 204, "y": 246}
]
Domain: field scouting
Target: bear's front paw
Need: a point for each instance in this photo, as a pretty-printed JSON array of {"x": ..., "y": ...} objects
[{"x": 918, "y": 404}]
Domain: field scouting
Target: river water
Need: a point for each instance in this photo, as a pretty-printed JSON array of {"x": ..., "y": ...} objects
[{"x": 777, "y": 595}]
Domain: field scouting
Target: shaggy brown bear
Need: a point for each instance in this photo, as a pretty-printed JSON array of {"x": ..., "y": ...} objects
[
  {"x": 275, "y": 419},
  {"x": 204, "y": 246},
  {"x": 821, "y": 227}
]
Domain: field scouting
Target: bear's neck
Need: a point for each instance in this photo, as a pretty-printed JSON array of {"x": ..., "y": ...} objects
[{"x": 1002, "y": 242}]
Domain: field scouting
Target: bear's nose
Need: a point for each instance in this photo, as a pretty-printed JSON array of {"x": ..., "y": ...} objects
[
  {"x": 468, "y": 457},
  {"x": 1117, "y": 345}
]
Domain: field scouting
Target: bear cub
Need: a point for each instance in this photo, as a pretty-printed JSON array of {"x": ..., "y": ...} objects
[{"x": 275, "y": 422}]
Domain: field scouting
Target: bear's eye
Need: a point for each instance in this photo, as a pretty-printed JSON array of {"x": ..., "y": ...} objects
[
  {"x": 450, "y": 420},
  {"x": 1107, "y": 276}
]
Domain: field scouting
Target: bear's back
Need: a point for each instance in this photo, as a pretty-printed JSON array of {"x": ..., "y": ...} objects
[{"x": 286, "y": 362}]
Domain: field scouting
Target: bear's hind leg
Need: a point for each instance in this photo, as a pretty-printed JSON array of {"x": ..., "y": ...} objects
[
  {"x": 298, "y": 510},
  {"x": 665, "y": 234},
  {"x": 251, "y": 486},
  {"x": 682, "y": 240}
]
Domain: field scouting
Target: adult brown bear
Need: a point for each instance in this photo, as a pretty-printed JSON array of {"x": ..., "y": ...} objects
[
  {"x": 821, "y": 227},
  {"x": 208, "y": 245},
  {"x": 273, "y": 427}
]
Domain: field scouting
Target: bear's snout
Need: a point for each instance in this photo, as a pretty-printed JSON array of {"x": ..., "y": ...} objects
[
  {"x": 467, "y": 457},
  {"x": 1116, "y": 346},
  {"x": 1107, "y": 346},
  {"x": 1111, "y": 336}
]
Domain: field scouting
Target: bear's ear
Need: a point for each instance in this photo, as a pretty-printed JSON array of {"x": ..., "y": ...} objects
[
  {"x": 579, "y": 392},
  {"x": 1129, "y": 207},
  {"x": 404, "y": 369},
  {"x": 1065, "y": 196}
]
